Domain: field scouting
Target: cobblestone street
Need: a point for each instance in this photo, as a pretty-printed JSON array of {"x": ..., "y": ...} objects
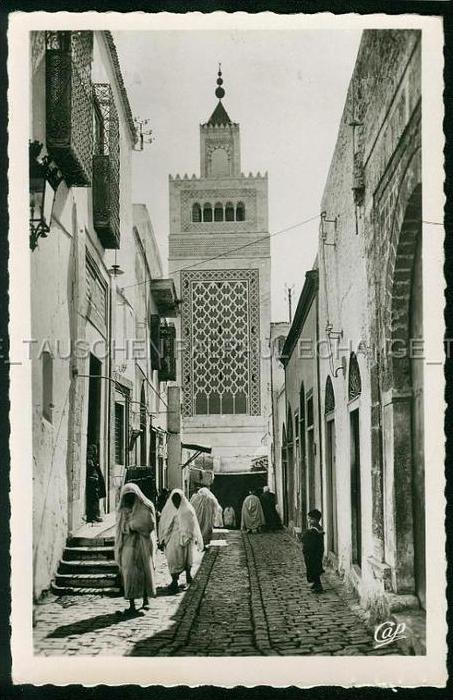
[{"x": 248, "y": 598}]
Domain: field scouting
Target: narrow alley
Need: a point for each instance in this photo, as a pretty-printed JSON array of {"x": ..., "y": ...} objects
[{"x": 249, "y": 598}]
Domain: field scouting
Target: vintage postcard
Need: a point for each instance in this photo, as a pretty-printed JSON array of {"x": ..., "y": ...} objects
[{"x": 227, "y": 349}]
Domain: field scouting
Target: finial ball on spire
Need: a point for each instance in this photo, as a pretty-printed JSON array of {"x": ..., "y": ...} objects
[{"x": 220, "y": 92}]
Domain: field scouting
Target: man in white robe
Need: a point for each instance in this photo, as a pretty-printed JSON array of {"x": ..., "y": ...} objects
[{"x": 252, "y": 518}]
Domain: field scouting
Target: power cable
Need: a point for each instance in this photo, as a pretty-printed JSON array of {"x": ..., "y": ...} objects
[{"x": 233, "y": 250}]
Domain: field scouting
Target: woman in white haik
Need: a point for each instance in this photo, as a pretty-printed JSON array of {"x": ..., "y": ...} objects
[
  {"x": 208, "y": 511},
  {"x": 179, "y": 532},
  {"x": 135, "y": 545}
]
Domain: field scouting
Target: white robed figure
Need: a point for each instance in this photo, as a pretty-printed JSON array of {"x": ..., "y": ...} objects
[
  {"x": 179, "y": 533},
  {"x": 208, "y": 511},
  {"x": 135, "y": 544},
  {"x": 252, "y": 518}
]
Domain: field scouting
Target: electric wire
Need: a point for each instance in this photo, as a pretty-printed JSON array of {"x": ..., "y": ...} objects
[{"x": 233, "y": 250}]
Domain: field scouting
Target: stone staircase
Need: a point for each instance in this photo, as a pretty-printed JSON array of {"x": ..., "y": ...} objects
[{"x": 87, "y": 566}]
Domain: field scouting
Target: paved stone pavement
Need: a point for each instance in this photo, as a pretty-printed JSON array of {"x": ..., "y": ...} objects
[{"x": 248, "y": 598}]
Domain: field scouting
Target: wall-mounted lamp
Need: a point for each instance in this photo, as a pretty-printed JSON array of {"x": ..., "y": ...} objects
[
  {"x": 133, "y": 435},
  {"x": 336, "y": 335},
  {"x": 115, "y": 270},
  {"x": 323, "y": 228},
  {"x": 45, "y": 178}
]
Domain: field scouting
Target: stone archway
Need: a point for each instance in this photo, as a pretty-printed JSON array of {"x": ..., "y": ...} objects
[{"x": 403, "y": 423}]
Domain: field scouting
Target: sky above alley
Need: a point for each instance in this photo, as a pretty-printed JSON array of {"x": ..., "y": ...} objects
[{"x": 287, "y": 91}]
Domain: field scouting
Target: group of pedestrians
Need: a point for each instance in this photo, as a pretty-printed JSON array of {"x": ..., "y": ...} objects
[{"x": 179, "y": 527}]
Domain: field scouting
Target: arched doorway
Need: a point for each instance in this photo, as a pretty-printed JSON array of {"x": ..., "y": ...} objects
[
  {"x": 302, "y": 457},
  {"x": 290, "y": 463},
  {"x": 404, "y": 379},
  {"x": 354, "y": 391},
  {"x": 331, "y": 479}
]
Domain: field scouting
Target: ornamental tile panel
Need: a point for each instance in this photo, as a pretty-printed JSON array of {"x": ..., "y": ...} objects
[{"x": 221, "y": 334}]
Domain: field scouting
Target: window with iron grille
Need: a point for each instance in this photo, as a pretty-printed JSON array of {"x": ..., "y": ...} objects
[
  {"x": 167, "y": 372},
  {"x": 106, "y": 167},
  {"x": 119, "y": 433},
  {"x": 69, "y": 104}
]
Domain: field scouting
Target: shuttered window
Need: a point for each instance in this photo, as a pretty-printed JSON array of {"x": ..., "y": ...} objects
[{"x": 155, "y": 341}]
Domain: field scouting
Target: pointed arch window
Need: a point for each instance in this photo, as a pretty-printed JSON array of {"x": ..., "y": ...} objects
[
  {"x": 354, "y": 381},
  {"x": 240, "y": 211},
  {"x": 207, "y": 212},
  {"x": 289, "y": 429},
  {"x": 329, "y": 400},
  {"x": 196, "y": 213},
  {"x": 218, "y": 211},
  {"x": 229, "y": 211}
]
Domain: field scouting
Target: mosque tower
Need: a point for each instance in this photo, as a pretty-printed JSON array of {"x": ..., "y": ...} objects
[{"x": 219, "y": 258}]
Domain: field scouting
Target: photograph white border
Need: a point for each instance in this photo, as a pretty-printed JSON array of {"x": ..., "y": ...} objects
[{"x": 227, "y": 672}]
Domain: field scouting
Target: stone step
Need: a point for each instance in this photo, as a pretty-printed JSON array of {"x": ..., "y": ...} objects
[
  {"x": 88, "y": 566},
  {"x": 111, "y": 591},
  {"x": 90, "y": 541},
  {"x": 87, "y": 580},
  {"x": 83, "y": 552}
]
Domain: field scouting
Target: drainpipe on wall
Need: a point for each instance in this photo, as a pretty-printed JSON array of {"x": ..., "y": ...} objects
[{"x": 109, "y": 394}]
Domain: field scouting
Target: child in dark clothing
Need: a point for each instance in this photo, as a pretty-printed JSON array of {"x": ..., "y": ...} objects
[{"x": 313, "y": 549}]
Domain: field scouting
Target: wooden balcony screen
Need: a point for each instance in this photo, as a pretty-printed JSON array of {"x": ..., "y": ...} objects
[
  {"x": 69, "y": 105},
  {"x": 167, "y": 372},
  {"x": 106, "y": 168}
]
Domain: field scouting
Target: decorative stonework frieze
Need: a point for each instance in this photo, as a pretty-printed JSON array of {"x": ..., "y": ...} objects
[{"x": 190, "y": 196}]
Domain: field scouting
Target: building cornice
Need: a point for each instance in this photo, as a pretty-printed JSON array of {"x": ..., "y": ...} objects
[
  {"x": 306, "y": 298},
  {"x": 119, "y": 77}
]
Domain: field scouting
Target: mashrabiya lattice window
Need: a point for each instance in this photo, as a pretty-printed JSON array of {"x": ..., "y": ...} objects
[{"x": 221, "y": 332}]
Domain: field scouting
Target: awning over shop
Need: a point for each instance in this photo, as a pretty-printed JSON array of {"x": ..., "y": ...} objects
[{"x": 197, "y": 448}]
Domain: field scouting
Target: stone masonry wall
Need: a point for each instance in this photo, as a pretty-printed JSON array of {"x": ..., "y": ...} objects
[{"x": 377, "y": 153}]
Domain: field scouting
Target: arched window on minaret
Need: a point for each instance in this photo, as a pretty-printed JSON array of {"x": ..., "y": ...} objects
[
  {"x": 218, "y": 211},
  {"x": 240, "y": 211},
  {"x": 207, "y": 212},
  {"x": 219, "y": 162},
  {"x": 196, "y": 212},
  {"x": 229, "y": 211}
]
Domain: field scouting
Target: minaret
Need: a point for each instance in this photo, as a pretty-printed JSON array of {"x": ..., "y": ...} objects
[
  {"x": 220, "y": 151},
  {"x": 219, "y": 257}
]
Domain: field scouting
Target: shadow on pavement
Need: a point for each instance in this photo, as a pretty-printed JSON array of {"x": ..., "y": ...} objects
[
  {"x": 88, "y": 625},
  {"x": 173, "y": 636}
]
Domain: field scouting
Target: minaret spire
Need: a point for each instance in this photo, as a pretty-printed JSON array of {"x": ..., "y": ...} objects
[
  {"x": 220, "y": 92},
  {"x": 219, "y": 117}
]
